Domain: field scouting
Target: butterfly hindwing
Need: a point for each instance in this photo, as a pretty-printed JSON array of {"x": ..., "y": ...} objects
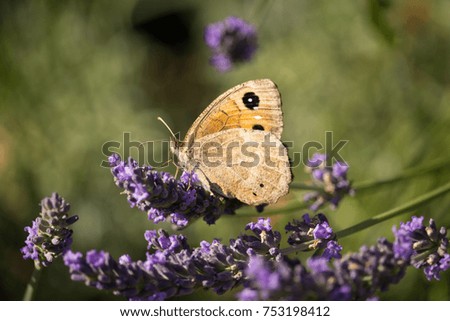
[{"x": 251, "y": 166}]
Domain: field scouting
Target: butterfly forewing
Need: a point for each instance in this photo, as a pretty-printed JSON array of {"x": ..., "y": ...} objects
[{"x": 255, "y": 105}]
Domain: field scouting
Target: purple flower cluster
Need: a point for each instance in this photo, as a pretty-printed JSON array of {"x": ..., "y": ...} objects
[
  {"x": 220, "y": 266},
  {"x": 425, "y": 247},
  {"x": 313, "y": 234},
  {"x": 49, "y": 235},
  {"x": 163, "y": 197},
  {"x": 332, "y": 180},
  {"x": 255, "y": 261},
  {"x": 356, "y": 276},
  {"x": 166, "y": 272},
  {"x": 231, "y": 40},
  {"x": 171, "y": 267}
]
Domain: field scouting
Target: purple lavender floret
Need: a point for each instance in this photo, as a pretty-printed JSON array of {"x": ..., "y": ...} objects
[
  {"x": 49, "y": 235},
  {"x": 231, "y": 41},
  {"x": 403, "y": 237},
  {"x": 263, "y": 239},
  {"x": 332, "y": 250},
  {"x": 269, "y": 280},
  {"x": 160, "y": 240},
  {"x": 332, "y": 180},
  {"x": 163, "y": 197},
  {"x": 313, "y": 234},
  {"x": 425, "y": 247}
]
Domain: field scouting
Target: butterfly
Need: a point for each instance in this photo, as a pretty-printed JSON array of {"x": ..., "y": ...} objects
[{"x": 234, "y": 146}]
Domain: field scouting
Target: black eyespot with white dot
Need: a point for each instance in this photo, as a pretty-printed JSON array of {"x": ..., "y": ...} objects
[
  {"x": 258, "y": 127},
  {"x": 250, "y": 100}
]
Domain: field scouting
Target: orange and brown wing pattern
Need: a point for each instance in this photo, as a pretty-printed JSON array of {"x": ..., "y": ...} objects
[{"x": 255, "y": 104}]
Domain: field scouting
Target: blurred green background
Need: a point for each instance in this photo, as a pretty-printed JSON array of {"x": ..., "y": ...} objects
[{"x": 76, "y": 74}]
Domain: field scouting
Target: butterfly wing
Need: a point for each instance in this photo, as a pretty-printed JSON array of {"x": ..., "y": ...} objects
[
  {"x": 249, "y": 165},
  {"x": 255, "y": 104}
]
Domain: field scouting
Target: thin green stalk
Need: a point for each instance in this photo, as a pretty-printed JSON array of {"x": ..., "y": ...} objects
[
  {"x": 395, "y": 211},
  {"x": 298, "y": 248},
  {"x": 260, "y": 12},
  {"x": 406, "y": 174},
  {"x": 30, "y": 291},
  {"x": 409, "y": 173}
]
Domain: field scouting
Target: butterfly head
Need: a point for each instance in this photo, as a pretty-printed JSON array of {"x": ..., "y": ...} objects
[
  {"x": 175, "y": 146},
  {"x": 180, "y": 157},
  {"x": 182, "y": 154}
]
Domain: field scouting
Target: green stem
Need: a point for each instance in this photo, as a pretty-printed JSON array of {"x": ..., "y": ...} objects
[
  {"x": 261, "y": 11},
  {"x": 408, "y": 173},
  {"x": 30, "y": 291},
  {"x": 395, "y": 211},
  {"x": 296, "y": 248}
]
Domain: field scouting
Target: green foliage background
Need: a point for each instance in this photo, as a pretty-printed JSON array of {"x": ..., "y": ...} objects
[{"x": 76, "y": 74}]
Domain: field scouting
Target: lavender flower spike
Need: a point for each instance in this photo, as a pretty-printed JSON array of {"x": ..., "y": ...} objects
[
  {"x": 357, "y": 276},
  {"x": 426, "y": 247},
  {"x": 171, "y": 267},
  {"x": 49, "y": 236},
  {"x": 166, "y": 272},
  {"x": 231, "y": 40},
  {"x": 163, "y": 197},
  {"x": 313, "y": 234},
  {"x": 332, "y": 179}
]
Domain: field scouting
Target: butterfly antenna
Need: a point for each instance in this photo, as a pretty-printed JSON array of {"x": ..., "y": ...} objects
[
  {"x": 166, "y": 163},
  {"x": 170, "y": 130}
]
